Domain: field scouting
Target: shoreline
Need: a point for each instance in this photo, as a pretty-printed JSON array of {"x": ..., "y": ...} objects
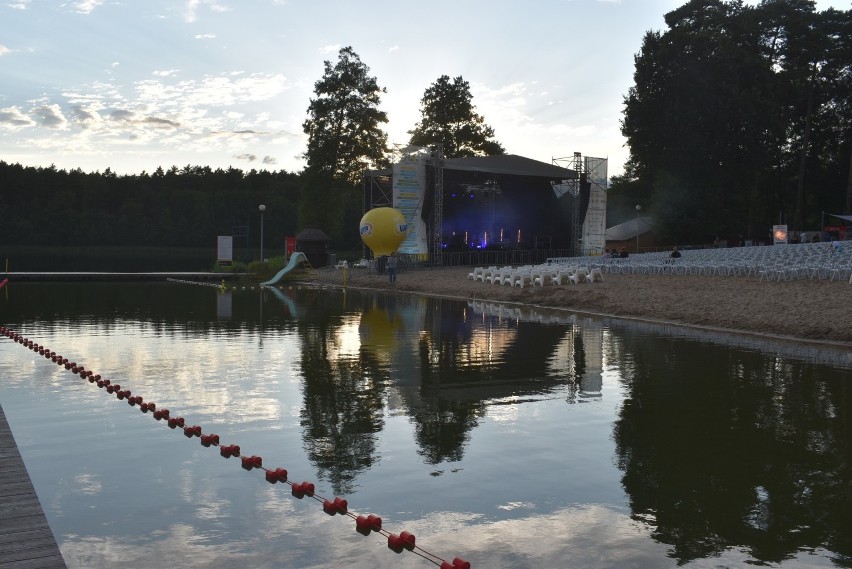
[{"x": 816, "y": 312}]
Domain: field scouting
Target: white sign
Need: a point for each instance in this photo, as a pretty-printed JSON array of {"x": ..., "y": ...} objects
[
  {"x": 779, "y": 234},
  {"x": 225, "y": 249}
]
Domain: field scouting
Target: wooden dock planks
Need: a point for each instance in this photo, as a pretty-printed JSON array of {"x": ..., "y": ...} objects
[{"x": 26, "y": 541}]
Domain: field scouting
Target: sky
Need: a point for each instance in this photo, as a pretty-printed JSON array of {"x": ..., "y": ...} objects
[{"x": 133, "y": 85}]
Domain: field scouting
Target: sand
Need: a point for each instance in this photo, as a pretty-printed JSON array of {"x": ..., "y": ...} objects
[{"x": 806, "y": 310}]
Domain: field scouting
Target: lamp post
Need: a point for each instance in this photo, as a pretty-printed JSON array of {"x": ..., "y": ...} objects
[
  {"x": 638, "y": 209},
  {"x": 261, "y": 208}
]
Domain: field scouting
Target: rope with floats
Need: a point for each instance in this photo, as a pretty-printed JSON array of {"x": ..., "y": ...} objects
[
  {"x": 220, "y": 286},
  {"x": 364, "y": 524}
]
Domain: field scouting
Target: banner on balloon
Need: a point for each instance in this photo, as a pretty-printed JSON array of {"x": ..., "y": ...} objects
[{"x": 409, "y": 188}]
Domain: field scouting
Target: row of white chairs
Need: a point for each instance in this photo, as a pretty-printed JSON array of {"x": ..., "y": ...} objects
[
  {"x": 821, "y": 261},
  {"x": 537, "y": 275}
]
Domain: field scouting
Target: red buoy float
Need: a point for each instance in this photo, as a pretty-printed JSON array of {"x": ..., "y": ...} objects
[
  {"x": 300, "y": 490},
  {"x": 193, "y": 431},
  {"x": 277, "y": 475},
  {"x": 407, "y": 539},
  {"x": 252, "y": 461},
  {"x": 229, "y": 450},
  {"x": 207, "y": 440}
]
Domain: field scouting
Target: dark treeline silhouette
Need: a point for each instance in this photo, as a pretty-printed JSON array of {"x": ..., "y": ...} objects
[
  {"x": 739, "y": 118},
  {"x": 185, "y": 207}
]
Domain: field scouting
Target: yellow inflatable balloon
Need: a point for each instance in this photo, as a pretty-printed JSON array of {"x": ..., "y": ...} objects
[{"x": 383, "y": 229}]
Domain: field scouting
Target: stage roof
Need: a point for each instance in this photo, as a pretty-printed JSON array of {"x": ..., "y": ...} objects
[{"x": 510, "y": 164}]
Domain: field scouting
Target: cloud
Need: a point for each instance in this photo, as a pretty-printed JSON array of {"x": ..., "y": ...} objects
[
  {"x": 50, "y": 116},
  {"x": 205, "y": 36},
  {"x": 332, "y": 48},
  {"x": 128, "y": 118},
  {"x": 394, "y": 48},
  {"x": 87, "y": 6},
  {"x": 216, "y": 90},
  {"x": 84, "y": 117},
  {"x": 157, "y": 116},
  {"x": 19, "y": 5},
  {"x": 160, "y": 123},
  {"x": 122, "y": 115},
  {"x": 190, "y": 12},
  {"x": 13, "y": 118},
  {"x": 4, "y": 50}
]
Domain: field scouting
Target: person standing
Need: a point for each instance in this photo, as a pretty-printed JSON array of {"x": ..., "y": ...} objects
[{"x": 391, "y": 267}]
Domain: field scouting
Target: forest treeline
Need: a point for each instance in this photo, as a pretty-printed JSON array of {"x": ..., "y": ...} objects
[
  {"x": 185, "y": 207},
  {"x": 739, "y": 117}
]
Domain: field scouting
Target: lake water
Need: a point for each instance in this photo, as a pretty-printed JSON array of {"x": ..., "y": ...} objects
[{"x": 510, "y": 437}]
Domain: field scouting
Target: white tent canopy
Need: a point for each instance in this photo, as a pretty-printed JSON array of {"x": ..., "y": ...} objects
[
  {"x": 629, "y": 229},
  {"x": 843, "y": 217}
]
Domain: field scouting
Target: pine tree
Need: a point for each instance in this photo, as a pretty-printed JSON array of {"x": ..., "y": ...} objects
[
  {"x": 449, "y": 118},
  {"x": 344, "y": 129}
]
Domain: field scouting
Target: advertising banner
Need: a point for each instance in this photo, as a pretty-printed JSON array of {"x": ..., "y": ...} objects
[
  {"x": 779, "y": 234},
  {"x": 594, "y": 225},
  {"x": 409, "y": 188}
]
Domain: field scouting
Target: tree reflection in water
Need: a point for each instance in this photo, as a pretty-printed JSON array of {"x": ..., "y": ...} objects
[
  {"x": 719, "y": 448},
  {"x": 427, "y": 352},
  {"x": 745, "y": 450}
]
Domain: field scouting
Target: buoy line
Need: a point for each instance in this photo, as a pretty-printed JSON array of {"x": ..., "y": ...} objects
[
  {"x": 184, "y": 281},
  {"x": 364, "y": 525}
]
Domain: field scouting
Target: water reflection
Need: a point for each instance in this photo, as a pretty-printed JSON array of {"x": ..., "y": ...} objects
[
  {"x": 749, "y": 449},
  {"x": 625, "y": 443},
  {"x": 734, "y": 448}
]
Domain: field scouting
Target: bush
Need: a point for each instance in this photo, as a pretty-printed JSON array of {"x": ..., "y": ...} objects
[{"x": 265, "y": 271}]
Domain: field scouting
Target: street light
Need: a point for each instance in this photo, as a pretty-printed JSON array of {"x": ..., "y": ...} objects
[
  {"x": 262, "y": 208},
  {"x": 638, "y": 209}
]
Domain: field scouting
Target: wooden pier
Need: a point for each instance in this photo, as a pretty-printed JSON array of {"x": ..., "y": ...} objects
[
  {"x": 117, "y": 277},
  {"x": 26, "y": 541}
]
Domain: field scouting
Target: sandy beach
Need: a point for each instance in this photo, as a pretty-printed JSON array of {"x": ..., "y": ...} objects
[{"x": 809, "y": 310}]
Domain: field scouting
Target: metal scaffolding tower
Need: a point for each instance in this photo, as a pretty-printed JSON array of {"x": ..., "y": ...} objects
[
  {"x": 437, "y": 156},
  {"x": 573, "y": 185}
]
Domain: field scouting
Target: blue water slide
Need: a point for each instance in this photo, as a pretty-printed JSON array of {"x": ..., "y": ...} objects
[{"x": 295, "y": 259}]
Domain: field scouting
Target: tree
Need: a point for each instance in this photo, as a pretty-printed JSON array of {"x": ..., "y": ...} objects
[
  {"x": 738, "y": 116},
  {"x": 697, "y": 119},
  {"x": 449, "y": 118},
  {"x": 344, "y": 133}
]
